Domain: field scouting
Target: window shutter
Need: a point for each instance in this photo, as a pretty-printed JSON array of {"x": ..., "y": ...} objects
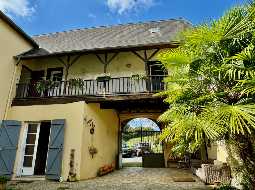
[
  {"x": 9, "y": 138},
  {"x": 55, "y": 153}
]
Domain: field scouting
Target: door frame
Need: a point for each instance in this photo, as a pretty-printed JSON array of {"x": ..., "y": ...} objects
[{"x": 23, "y": 146}]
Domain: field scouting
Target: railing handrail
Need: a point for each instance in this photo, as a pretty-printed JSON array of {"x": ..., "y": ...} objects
[
  {"x": 132, "y": 77},
  {"x": 84, "y": 87}
]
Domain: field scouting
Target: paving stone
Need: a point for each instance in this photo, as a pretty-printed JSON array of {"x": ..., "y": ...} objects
[{"x": 125, "y": 179}]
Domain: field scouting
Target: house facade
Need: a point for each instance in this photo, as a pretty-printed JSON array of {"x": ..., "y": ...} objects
[
  {"x": 70, "y": 93},
  {"x": 13, "y": 41}
]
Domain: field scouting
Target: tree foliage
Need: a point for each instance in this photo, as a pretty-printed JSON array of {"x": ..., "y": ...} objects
[{"x": 210, "y": 86}]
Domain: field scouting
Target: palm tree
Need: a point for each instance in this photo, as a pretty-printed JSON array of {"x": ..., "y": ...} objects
[{"x": 211, "y": 88}]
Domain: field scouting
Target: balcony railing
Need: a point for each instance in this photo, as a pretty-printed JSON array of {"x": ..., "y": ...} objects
[{"x": 78, "y": 87}]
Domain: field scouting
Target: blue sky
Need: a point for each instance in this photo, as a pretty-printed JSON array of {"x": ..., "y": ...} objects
[
  {"x": 45, "y": 16},
  {"x": 143, "y": 122}
]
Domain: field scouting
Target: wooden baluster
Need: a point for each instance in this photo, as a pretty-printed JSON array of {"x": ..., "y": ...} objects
[
  {"x": 93, "y": 88},
  {"x": 119, "y": 85}
]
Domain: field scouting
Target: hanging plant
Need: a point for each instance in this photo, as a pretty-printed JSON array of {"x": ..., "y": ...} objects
[
  {"x": 103, "y": 77},
  {"x": 139, "y": 77}
]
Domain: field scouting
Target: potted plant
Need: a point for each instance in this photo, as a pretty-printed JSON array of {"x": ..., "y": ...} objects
[
  {"x": 103, "y": 78},
  {"x": 43, "y": 86},
  {"x": 76, "y": 82},
  {"x": 3, "y": 182}
]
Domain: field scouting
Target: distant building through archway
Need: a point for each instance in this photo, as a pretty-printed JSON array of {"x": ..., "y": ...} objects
[{"x": 140, "y": 142}]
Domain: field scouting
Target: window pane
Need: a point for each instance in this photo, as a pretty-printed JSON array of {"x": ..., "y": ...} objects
[
  {"x": 31, "y": 138},
  {"x": 28, "y": 161},
  {"x": 32, "y": 128},
  {"x": 29, "y": 150}
]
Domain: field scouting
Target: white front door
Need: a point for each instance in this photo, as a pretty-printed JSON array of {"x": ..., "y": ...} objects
[{"x": 30, "y": 148}]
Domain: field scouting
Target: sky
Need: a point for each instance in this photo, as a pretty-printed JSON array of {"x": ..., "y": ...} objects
[
  {"x": 46, "y": 16},
  {"x": 143, "y": 122}
]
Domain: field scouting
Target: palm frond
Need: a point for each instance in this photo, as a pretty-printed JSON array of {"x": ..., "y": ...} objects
[
  {"x": 239, "y": 119},
  {"x": 235, "y": 24},
  {"x": 247, "y": 54},
  {"x": 246, "y": 86},
  {"x": 175, "y": 58},
  {"x": 236, "y": 71}
]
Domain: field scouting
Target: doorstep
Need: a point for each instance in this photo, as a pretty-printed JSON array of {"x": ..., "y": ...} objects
[{"x": 29, "y": 178}]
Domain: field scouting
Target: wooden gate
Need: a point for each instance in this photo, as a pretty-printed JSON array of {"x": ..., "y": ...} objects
[{"x": 145, "y": 144}]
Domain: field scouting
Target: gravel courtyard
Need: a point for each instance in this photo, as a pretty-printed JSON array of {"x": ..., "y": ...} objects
[{"x": 125, "y": 179}]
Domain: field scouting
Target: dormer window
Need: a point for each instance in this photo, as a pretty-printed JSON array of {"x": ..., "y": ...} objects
[{"x": 155, "y": 30}]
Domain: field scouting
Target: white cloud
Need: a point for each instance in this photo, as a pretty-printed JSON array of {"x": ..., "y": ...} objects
[
  {"x": 91, "y": 15},
  {"x": 122, "y": 6},
  {"x": 17, "y": 7}
]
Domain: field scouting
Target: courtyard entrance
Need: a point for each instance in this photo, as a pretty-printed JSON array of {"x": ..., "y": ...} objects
[{"x": 140, "y": 144}]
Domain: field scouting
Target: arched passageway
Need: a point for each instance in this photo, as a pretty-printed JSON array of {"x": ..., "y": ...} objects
[{"x": 140, "y": 144}]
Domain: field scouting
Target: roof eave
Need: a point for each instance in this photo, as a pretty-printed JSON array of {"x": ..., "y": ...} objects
[{"x": 106, "y": 49}]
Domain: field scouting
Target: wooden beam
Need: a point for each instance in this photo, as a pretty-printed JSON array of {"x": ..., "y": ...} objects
[
  {"x": 75, "y": 60},
  {"x": 105, "y": 58},
  {"x": 68, "y": 63},
  {"x": 112, "y": 58},
  {"x": 106, "y": 62},
  {"x": 27, "y": 68},
  {"x": 145, "y": 55},
  {"x": 109, "y": 50},
  {"x": 153, "y": 54},
  {"x": 138, "y": 55},
  {"x": 68, "y": 59},
  {"x": 100, "y": 59},
  {"x": 62, "y": 61}
]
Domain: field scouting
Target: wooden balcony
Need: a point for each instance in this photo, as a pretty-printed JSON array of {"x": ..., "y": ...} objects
[{"x": 96, "y": 90}]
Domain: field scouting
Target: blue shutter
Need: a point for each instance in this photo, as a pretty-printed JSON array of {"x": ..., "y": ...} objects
[
  {"x": 9, "y": 138},
  {"x": 55, "y": 153}
]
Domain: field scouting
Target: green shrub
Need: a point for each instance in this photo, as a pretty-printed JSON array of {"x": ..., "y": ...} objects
[{"x": 226, "y": 187}]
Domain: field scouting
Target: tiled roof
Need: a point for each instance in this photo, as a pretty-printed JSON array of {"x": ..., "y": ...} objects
[{"x": 111, "y": 37}]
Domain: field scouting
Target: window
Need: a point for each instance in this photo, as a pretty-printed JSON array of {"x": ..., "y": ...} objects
[
  {"x": 156, "y": 68},
  {"x": 55, "y": 74}
]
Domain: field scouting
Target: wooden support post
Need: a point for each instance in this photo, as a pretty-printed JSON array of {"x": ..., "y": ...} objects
[
  {"x": 68, "y": 63},
  {"x": 153, "y": 54},
  {"x": 145, "y": 58},
  {"x": 106, "y": 61}
]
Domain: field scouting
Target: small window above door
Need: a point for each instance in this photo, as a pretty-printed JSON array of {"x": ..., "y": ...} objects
[{"x": 55, "y": 74}]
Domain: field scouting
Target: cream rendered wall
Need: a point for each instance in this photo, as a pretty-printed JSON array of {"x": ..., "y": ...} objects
[
  {"x": 11, "y": 44},
  {"x": 105, "y": 140},
  {"x": 77, "y": 134},
  {"x": 222, "y": 154},
  {"x": 212, "y": 151},
  {"x": 74, "y": 115},
  {"x": 218, "y": 151},
  {"x": 88, "y": 66}
]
